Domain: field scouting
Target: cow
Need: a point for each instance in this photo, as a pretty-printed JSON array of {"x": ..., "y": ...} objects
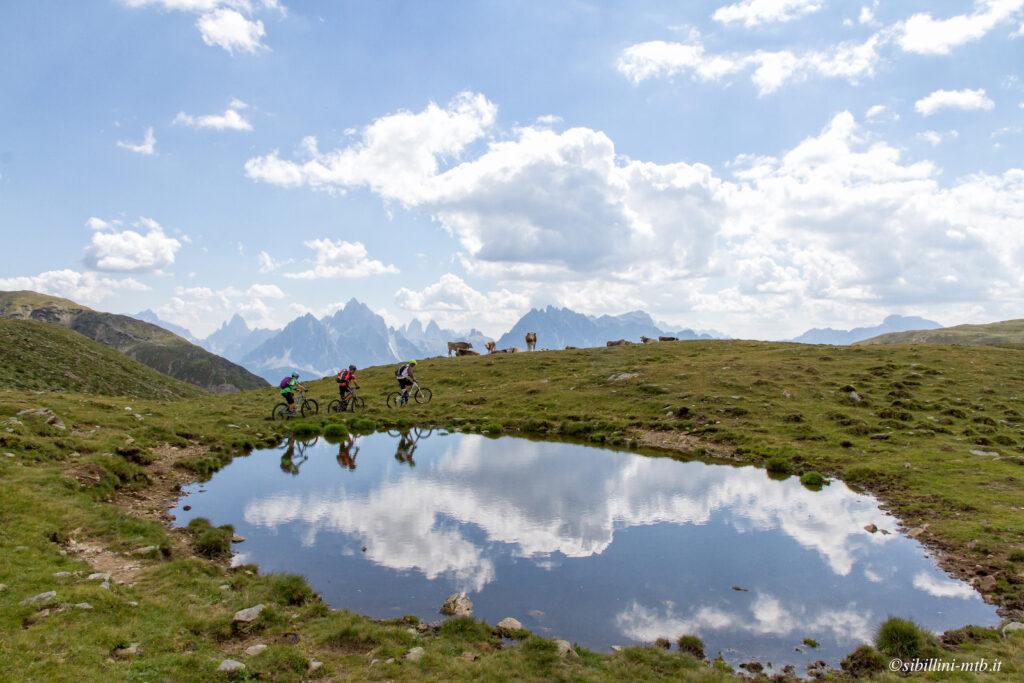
[
  {"x": 455, "y": 346},
  {"x": 620, "y": 342},
  {"x": 513, "y": 349},
  {"x": 571, "y": 348},
  {"x": 647, "y": 340},
  {"x": 668, "y": 339},
  {"x": 490, "y": 347},
  {"x": 466, "y": 352},
  {"x": 531, "y": 341}
]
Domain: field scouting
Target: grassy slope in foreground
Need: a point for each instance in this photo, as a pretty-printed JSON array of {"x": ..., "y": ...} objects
[
  {"x": 147, "y": 343},
  {"x": 992, "y": 334},
  {"x": 42, "y": 357},
  {"x": 907, "y": 436}
]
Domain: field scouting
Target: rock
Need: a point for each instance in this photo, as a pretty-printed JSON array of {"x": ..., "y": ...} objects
[
  {"x": 230, "y": 665},
  {"x": 235, "y": 538},
  {"x": 249, "y": 614},
  {"x": 976, "y": 451},
  {"x": 855, "y": 397},
  {"x": 871, "y": 528},
  {"x": 1013, "y": 626},
  {"x": 315, "y": 666},
  {"x": 255, "y": 649},
  {"x": 415, "y": 654},
  {"x": 565, "y": 649},
  {"x": 62, "y": 574},
  {"x": 146, "y": 550},
  {"x": 105, "y": 585},
  {"x": 876, "y": 437},
  {"x": 422, "y": 627},
  {"x": 83, "y": 605},
  {"x": 917, "y": 531},
  {"x": 616, "y": 648},
  {"x": 3, "y": 588},
  {"x": 39, "y": 598},
  {"x": 509, "y": 624},
  {"x": 133, "y": 650},
  {"x": 470, "y": 656},
  {"x": 457, "y": 605},
  {"x": 985, "y": 584},
  {"x": 98, "y": 576}
]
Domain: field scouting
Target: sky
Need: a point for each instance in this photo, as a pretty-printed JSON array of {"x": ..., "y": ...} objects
[{"x": 756, "y": 167}]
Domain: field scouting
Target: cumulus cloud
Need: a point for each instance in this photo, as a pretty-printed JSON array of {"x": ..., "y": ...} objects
[
  {"x": 132, "y": 252},
  {"x": 228, "y": 24},
  {"x": 341, "y": 259},
  {"x": 70, "y": 284},
  {"x": 145, "y": 147},
  {"x": 229, "y": 120},
  {"x": 195, "y": 307},
  {"x": 769, "y": 71},
  {"x": 755, "y": 12},
  {"x": 269, "y": 264},
  {"x": 924, "y": 34},
  {"x": 953, "y": 99},
  {"x": 453, "y": 302}
]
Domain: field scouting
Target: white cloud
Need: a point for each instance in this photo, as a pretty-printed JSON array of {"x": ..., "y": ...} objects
[
  {"x": 880, "y": 112},
  {"x": 924, "y": 34},
  {"x": 70, "y": 284},
  {"x": 265, "y": 292},
  {"x": 230, "y": 120},
  {"x": 96, "y": 224},
  {"x": 953, "y": 99},
  {"x": 754, "y": 12},
  {"x": 935, "y": 138},
  {"x": 269, "y": 264},
  {"x": 769, "y": 70},
  {"x": 229, "y": 29},
  {"x": 131, "y": 252},
  {"x": 453, "y": 303},
  {"x": 341, "y": 259},
  {"x": 146, "y": 147}
]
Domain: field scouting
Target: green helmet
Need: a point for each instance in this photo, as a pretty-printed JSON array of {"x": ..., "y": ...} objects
[{"x": 412, "y": 362}]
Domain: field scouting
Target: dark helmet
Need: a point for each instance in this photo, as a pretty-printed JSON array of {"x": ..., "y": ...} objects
[
  {"x": 295, "y": 374},
  {"x": 351, "y": 368}
]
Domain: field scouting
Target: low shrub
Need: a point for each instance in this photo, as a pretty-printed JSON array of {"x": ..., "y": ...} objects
[
  {"x": 813, "y": 479},
  {"x": 336, "y": 429},
  {"x": 290, "y": 589},
  {"x": 902, "y": 638},
  {"x": 779, "y": 464},
  {"x": 692, "y": 645}
]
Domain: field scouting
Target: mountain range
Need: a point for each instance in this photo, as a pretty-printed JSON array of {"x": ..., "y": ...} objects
[{"x": 892, "y": 323}]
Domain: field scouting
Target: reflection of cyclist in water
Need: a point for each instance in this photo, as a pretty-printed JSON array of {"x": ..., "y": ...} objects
[
  {"x": 406, "y": 447},
  {"x": 288, "y": 464},
  {"x": 347, "y": 452}
]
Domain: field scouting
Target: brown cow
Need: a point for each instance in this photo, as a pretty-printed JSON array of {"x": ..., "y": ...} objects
[
  {"x": 466, "y": 352},
  {"x": 513, "y": 349},
  {"x": 490, "y": 347},
  {"x": 571, "y": 348},
  {"x": 456, "y": 346},
  {"x": 647, "y": 340},
  {"x": 668, "y": 339},
  {"x": 620, "y": 342},
  {"x": 531, "y": 341}
]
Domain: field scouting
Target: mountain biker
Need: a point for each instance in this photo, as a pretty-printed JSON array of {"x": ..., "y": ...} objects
[
  {"x": 405, "y": 376},
  {"x": 287, "y": 385},
  {"x": 346, "y": 377}
]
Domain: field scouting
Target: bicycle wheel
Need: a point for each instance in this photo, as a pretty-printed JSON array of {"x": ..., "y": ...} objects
[
  {"x": 421, "y": 433},
  {"x": 423, "y": 395},
  {"x": 310, "y": 408},
  {"x": 334, "y": 407},
  {"x": 280, "y": 412},
  {"x": 356, "y": 404},
  {"x": 394, "y": 399}
]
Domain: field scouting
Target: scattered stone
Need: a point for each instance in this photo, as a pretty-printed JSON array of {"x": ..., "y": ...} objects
[
  {"x": 422, "y": 627},
  {"x": 415, "y": 654},
  {"x": 56, "y": 423},
  {"x": 1013, "y": 626},
  {"x": 314, "y": 665},
  {"x": 105, "y": 585},
  {"x": 249, "y": 614},
  {"x": 622, "y": 376},
  {"x": 9, "y": 455},
  {"x": 235, "y": 538},
  {"x": 132, "y": 603},
  {"x": 255, "y": 649},
  {"x": 976, "y": 451},
  {"x": 565, "y": 649},
  {"x": 985, "y": 584},
  {"x": 230, "y": 665},
  {"x": 224, "y": 587},
  {"x": 3, "y": 588},
  {"x": 133, "y": 650},
  {"x": 509, "y": 624},
  {"x": 457, "y": 605},
  {"x": 906, "y": 465},
  {"x": 871, "y": 528},
  {"x": 917, "y": 531},
  {"x": 62, "y": 574},
  {"x": 98, "y": 576},
  {"x": 855, "y": 397},
  {"x": 616, "y": 648},
  {"x": 470, "y": 656},
  {"x": 878, "y": 437},
  {"x": 146, "y": 550},
  {"x": 39, "y": 598},
  {"x": 83, "y": 605}
]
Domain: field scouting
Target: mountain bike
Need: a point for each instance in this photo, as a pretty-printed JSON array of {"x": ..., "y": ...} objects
[
  {"x": 354, "y": 404},
  {"x": 397, "y": 399},
  {"x": 306, "y": 406}
]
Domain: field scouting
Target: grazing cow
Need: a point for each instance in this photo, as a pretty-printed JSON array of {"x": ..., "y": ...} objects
[
  {"x": 466, "y": 352},
  {"x": 620, "y": 342},
  {"x": 513, "y": 349},
  {"x": 668, "y": 339},
  {"x": 490, "y": 347},
  {"x": 455, "y": 346},
  {"x": 531, "y": 341},
  {"x": 500, "y": 351},
  {"x": 570, "y": 348},
  {"x": 647, "y": 340}
]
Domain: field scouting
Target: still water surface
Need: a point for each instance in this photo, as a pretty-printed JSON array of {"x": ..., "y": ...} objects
[{"x": 596, "y": 546}]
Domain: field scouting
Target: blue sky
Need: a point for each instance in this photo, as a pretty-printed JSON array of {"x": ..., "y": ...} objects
[{"x": 758, "y": 167}]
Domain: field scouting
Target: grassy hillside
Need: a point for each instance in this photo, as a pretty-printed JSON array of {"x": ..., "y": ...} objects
[
  {"x": 149, "y": 344},
  {"x": 41, "y": 357},
  {"x": 899, "y": 421},
  {"x": 1007, "y": 332}
]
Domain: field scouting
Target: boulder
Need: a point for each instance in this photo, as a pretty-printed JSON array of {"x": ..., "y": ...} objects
[
  {"x": 565, "y": 649},
  {"x": 457, "y": 605},
  {"x": 415, "y": 654},
  {"x": 255, "y": 649},
  {"x": 39, "y": 598},
  {"x": 230, "y": 665},
  {"x": 509, "y": 624},
  {"x": 133, "y": 650},
  {"x": 249, "y": 614},
  {"x": 1012, "y": 626}
]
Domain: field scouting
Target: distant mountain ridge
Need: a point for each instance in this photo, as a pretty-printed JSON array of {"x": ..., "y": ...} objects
[
  {"x": 1006, "y": 332},
  {"x": 892, "y": 323},
  {"x": 557, "y": 328},
  {"x": 144, "y": 342}
]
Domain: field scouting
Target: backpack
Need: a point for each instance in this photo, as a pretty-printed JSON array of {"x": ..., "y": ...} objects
[
  {"x": 285, "y": 382},
  {"x": 400, "y": 372},
  {"x": 344, "y": 376}
]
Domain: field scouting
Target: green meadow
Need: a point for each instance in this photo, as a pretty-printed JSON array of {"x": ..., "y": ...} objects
[{"x": 93, "y": 449}]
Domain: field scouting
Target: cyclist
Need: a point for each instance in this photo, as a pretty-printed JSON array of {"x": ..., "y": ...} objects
[
  {"x": 288, "y": 384},
  {"x": 345, "y": 378},
  {"x": 405, "y": 376}
]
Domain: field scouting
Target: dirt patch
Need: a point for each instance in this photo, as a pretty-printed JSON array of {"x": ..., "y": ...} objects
[
  {"x": 88, "y": 475},
  {"x": 686, "y": 443}
]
